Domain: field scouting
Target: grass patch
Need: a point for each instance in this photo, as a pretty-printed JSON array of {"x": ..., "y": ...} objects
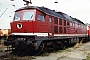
[
  {"x": 88, "y": 57},
  {"x": 66, "y": 50},
  {"x": 19, "y": 58},
  {"x": 45, "y": 54},
  {"x": 14, "y": 57}
]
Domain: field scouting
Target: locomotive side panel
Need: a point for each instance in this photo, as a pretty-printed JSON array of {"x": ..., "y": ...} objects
[
  {"x": 44, "y": 23},
  {"x": 41, "y": 19}
]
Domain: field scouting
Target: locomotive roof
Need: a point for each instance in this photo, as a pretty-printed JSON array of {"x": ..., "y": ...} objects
[
  {"x": 48, "y": 11},
  {"x": 67, "y": 17},
  {"x": 77, "y": 20},
  {"x": 51, "y": 12},
  {"x": 43, "y": 9}
]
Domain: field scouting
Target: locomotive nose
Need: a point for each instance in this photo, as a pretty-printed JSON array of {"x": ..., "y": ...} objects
[{"x": 19, "y": 25}]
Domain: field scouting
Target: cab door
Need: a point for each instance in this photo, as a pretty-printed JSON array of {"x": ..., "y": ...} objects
[
  {"x": 50, "y": 27},
  {"x": 41, "y": 23}
]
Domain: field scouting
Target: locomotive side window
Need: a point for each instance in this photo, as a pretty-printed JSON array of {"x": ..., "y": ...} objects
[
  {"x": 55, "y": 20},
  {"x": 60, "y": 29},
  {"x": 71, "y": 24},
  {"x": 60, "y": 21},
  {"x": 82, "y": 26},
  {"x": 17, "y": 16},
  {"x": 55, "y": 29},
  {"x": 79, "y": 25},
  {"x": 64, "y": 22},
  {"x": 64, "y": 29},
  {"x": 50, "y": 19},
  {"x": 76, "y": 25},
  {"x": 68, "y": 23},
  {"x": 28, "y": 15},
  {"x": 40, "y": 17}
]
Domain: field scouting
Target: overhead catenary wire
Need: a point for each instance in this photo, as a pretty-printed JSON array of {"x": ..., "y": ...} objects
[{"x": 3, "y": 12}]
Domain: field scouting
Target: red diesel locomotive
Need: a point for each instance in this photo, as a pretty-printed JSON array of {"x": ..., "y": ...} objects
[{"x": 40, "y": 28}]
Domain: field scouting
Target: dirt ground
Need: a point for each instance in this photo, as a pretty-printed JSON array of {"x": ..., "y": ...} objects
[{"x": 80, "y": 52}]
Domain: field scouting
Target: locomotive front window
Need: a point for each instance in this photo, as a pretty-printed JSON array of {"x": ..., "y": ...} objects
[
  {"x": 17, "y": 16},
  {"x": 28, "y": 15}
]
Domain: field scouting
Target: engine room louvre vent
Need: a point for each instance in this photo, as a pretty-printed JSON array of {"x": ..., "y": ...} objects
[
  {"x": 60, "y": 29},
  {"x": 55, "y": 29},
  {"x": 64, "y": 29}
]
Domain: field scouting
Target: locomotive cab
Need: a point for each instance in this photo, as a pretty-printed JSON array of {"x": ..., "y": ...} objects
[
  {"x": 24, "y": 22},
  {"x": 31, "y": 21}
]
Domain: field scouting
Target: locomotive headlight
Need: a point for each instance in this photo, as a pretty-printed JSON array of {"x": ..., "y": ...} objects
[{"x": 19, "y": 25}]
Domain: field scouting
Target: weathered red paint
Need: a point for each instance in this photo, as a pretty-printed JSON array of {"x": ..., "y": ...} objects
[{"x": 36, "y": 26}]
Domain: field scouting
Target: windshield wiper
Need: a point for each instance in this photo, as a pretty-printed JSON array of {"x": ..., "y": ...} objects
[{"x": 31, "y": 16}]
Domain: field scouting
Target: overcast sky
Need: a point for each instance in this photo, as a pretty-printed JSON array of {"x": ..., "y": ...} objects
[{"x": 79, "y": 9}]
